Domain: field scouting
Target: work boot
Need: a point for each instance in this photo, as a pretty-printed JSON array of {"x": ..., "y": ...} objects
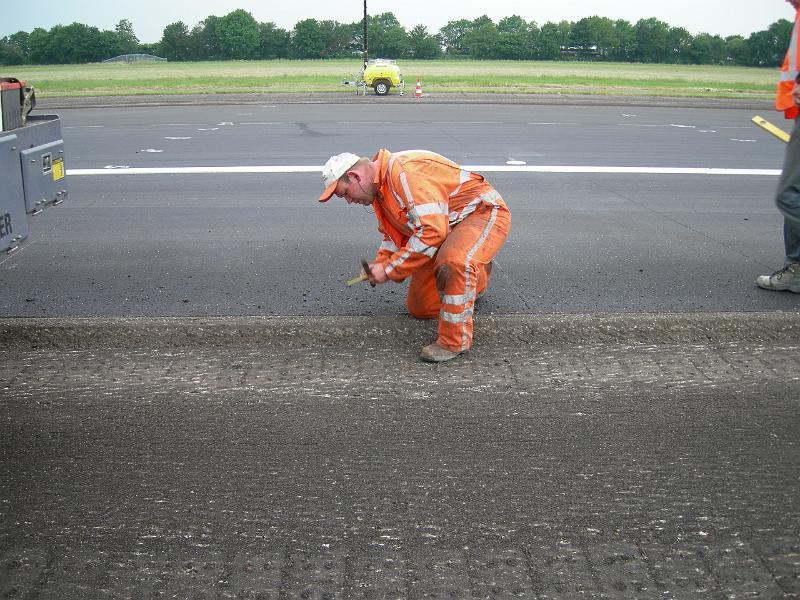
[
  {"x": 435, "y": 353},
  {"x": 787, "y": 278},
  {"x": 482, "y": 293}
]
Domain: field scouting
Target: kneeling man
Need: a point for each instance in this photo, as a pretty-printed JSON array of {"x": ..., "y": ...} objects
[{"x": 441, "y": 226}]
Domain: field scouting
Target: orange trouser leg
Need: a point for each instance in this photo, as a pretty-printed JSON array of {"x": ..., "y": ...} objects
[
  {"x": 447, "y": 286},
  {"x": 424, "y": 301}
]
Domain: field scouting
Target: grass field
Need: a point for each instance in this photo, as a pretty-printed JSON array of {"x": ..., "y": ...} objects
[{"x": 437, "y": 77}]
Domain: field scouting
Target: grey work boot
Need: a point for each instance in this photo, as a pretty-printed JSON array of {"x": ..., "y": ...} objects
[
  {"x": 435, "y": 353},
  {"x": 787, "y": 278}
]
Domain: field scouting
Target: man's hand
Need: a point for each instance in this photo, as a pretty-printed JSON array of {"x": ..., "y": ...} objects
[
  {"x": 377, "y": 274},
  {"x": 796, "y": 91}
]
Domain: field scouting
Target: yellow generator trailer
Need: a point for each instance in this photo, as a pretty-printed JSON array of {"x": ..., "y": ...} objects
[{"x": 382, "y": 74}]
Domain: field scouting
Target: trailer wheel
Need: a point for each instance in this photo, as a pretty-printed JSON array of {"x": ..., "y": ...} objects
[{"x": 382, "y": 88}]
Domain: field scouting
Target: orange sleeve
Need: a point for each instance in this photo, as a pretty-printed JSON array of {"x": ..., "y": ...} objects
[
  {"x": 386, "y": 250},
  {"x": 426, "y": 200}
]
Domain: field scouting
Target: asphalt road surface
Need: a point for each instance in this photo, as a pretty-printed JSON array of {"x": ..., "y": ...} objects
[
  {"x": 194, "y": 405},
  {"x": 256, "y": 243}
]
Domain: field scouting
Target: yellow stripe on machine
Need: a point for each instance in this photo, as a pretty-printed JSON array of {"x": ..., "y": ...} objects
[{"x": 774, "y": 130}]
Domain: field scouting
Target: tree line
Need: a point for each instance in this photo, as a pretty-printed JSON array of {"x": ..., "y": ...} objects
[{"x": 238, "y": 36}]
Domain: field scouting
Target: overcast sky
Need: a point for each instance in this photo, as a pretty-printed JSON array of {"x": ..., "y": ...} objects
[{"x": 149, "y": 17}]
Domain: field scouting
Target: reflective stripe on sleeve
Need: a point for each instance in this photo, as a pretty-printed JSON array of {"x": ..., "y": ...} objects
[
  {"x": 421, "y": 210},
  {"x": 389, "y": 245},
  {"x": 416, "y": 245},
  {"x": 490, "y": 197},
  {"x": 397, "y": 262}
]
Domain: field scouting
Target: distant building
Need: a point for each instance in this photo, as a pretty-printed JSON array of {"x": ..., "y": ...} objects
[
  {"x": 129, "y": 58},
  {"x": 592, "y": 51}
]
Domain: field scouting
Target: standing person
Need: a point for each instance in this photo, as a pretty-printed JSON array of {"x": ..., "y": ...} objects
[
  {"x": 788, "y": 195},
  {"x": 441, "y": 226}
]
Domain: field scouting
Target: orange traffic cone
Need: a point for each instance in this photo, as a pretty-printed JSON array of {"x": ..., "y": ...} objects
[{"x": 418, "y": 90}]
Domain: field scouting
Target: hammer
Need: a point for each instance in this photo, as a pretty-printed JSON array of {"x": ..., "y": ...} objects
[{"x": 363, "y": 276}]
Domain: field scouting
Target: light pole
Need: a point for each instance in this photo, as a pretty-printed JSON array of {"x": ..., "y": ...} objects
[{"x": 365, "y": 34}]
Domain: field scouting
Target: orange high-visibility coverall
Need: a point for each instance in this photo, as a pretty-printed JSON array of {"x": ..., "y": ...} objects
[
  {"x": 441, "y": 225},
  {"x": 784, "y": 99}
]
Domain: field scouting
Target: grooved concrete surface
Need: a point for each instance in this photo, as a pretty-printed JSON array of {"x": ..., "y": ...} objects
[{"x": 646, "y": 457}]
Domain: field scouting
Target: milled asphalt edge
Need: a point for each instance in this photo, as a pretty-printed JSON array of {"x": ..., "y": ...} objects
[
  {"x": 491, "y": 331},
  {"x": 289, "y": 331},
  {"x": 45, "y": 103}
]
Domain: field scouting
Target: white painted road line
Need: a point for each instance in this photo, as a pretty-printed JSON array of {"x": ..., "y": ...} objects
[
  {"x": 478, "y": 168},
  {"x": 191, "y": 170},
  {"x": 467, "y": 123},
  {"x": 620, "y": 170}
]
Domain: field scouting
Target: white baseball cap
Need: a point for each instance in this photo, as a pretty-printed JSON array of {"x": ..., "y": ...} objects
[{"x": 333, "y": 170}]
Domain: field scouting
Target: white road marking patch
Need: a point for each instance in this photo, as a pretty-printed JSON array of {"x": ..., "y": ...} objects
[
  {"x": 625, "y": 115},
  {"x": 683, "y": 126},
  {"x": 553, "y": 123},
  {"x": 620, "y": 170},
  {"x": 638, "y": 125},
  {"x": 738, "y": 140},
  {"x": 85, "y": 127},
  {"x": 706, "y": 131},
  {"x": 151, "y": 150},
  {"x": 178, "y": 125},
  {"x": 209, "y": 129},
  {"x": 116, "y": 167},
  {"x": 479, "y": 168},
  {"x": 511, "y": 161},
  {"x": 177, "y": 138},
  {"x": 263, "y": 123}
]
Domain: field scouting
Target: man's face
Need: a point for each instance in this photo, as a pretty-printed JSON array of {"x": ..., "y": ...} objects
[
  {"x": 795, "y": 3},
  {"x": 356, "y": 190}
]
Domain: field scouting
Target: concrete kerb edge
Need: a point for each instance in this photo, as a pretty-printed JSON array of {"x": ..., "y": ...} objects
[{"x": 509, "y": 330}]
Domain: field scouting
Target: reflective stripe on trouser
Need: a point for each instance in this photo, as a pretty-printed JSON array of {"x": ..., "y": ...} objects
[{"x": 448, "y": 285}]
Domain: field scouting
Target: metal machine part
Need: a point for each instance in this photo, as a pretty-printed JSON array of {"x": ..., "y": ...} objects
[{"x": 32, "y": 167}]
